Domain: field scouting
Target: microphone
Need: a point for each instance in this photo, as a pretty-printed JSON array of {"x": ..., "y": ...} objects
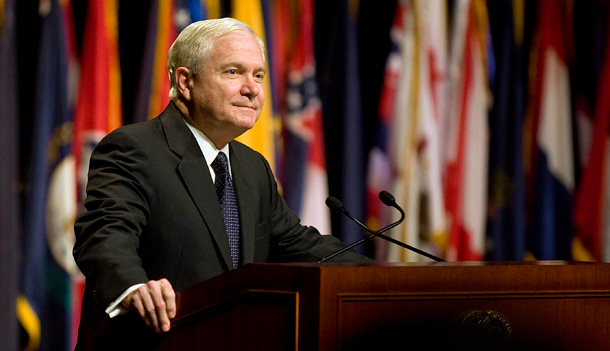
[{"x": 388, "y": 200}]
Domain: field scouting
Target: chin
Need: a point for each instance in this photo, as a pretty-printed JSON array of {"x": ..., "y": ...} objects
[{"x": 247, "y": 122}]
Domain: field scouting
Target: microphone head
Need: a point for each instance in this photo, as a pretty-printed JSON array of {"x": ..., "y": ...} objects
[
  {"x": 333, "y": 203},
  {"x": 387, "y": 198}
]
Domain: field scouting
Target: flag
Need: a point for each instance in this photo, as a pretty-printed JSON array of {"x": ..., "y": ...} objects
[
  {"x": 379, "y": 175},
  {"x": 415, "y": 87},
  {"x": 593, "y": 195},
  {"x": 281, "y": 19},
  {"x": 217, "y": 8},
  {"x": 9, "y": 172},
  {"x": 305, "y": 181},
  {"x": 262, "y": 137},
  {"x": 418, "y": 171},
  {"x": 152, "y": 93},
  {"x": 45, "y": 303},
  {"x": 165, "y": 35},
  {"x": 467, "y": 132},
  {"x": 551, "y": 155},
  {"x": 340, "y": 93},
  {"x": 98, "y": 108},
  {"x": 506, "y": 221}
]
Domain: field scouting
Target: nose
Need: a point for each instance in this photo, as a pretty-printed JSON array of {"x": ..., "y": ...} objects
[{"x": 250, "y": 88}]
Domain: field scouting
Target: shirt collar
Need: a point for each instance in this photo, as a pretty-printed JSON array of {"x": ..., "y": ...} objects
[{"x": 207, "y": 147}]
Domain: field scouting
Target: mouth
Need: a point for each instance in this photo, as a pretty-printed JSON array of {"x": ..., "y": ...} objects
[{"x": 249, "y": 107}]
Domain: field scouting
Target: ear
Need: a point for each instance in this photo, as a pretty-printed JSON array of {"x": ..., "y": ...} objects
[{"x": 183, "y": 81}]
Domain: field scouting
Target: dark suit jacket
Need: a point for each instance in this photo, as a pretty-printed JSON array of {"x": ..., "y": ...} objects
[{"x": 152, "y": 212}]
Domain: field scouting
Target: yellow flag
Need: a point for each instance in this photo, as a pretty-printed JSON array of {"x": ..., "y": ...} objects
[{"x": 262, "y": 137}]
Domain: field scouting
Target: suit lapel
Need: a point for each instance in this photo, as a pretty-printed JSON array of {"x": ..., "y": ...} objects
[
  {"x": 246, "y": 204},
  {"x": 197, "y": 179}
]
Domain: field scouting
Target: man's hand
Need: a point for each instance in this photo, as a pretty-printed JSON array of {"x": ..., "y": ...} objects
[{"x": 155, "y": 301}]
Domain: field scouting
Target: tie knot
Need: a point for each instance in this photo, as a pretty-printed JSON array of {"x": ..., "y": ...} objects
[{"x": 220, "y": 165}]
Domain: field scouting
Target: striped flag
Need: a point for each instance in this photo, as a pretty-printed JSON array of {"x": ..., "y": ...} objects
[
  {"x": 305, "y": 180},
  {"x": 44, "y": 307},
  {"x": 468, "y": 132},
  {"x": 165, "y": 35},
  {"x": 165, "y": 19},
  {"x": 262, "y": 137},
  {"x": 551, "y": 158}
]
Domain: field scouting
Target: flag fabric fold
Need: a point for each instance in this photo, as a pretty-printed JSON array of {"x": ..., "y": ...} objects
[
  {"x": 551, "y": 155},
  {"x": 262, "y": 137},
  {"x": 98, "y": 108},
  {"x": 412, "y": 112},
  {"x": 592, "y": 206},
  {"x": 305, "y": 179},
  {"x": 338, "y": 70},
  {"x": 468, "y": 132},
  {"x": 45, "y": 306},
  {"x": 506, "y": 221}
]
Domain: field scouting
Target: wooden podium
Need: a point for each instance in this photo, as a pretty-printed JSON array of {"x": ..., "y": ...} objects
[{"x": 436, "y": 306}]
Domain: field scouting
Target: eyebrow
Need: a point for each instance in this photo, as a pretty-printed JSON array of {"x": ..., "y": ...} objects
[{"x": 241, "y": 66}]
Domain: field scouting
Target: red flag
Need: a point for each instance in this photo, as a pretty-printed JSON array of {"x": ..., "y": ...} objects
[
  {"x": 592, "y": 197},
  {"x": 98, "y": 109},
  {"x": 466, "y": 174}
]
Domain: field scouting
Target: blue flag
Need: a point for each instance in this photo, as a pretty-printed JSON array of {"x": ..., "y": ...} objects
[
  {"x": 44, "y": 307},
  {"x": 342, "y": 110},
  {"x": 506, "y": 222}
]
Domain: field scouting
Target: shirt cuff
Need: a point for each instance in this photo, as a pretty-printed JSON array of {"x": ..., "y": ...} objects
[{"x": 115, "y": 308}]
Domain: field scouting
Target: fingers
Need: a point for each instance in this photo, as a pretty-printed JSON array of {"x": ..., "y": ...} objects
[
  {"x": 169, "y": 296},
  {"x": 156, "y": 303}
]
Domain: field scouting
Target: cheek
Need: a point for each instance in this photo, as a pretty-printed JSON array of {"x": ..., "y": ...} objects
[{"x": 261, "y": 94}]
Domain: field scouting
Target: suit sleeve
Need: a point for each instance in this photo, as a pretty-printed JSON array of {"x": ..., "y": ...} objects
[{"x": 107, "y": 233}]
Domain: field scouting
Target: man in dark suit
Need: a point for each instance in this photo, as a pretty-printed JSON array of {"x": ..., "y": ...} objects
[{"x": 160, "y": 215}]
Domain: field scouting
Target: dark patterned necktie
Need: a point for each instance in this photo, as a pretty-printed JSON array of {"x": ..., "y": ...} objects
[{"x": 228, "y": 203}]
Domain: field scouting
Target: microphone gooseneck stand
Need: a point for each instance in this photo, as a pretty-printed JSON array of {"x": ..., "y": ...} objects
[{"x": 388, "y": 200}]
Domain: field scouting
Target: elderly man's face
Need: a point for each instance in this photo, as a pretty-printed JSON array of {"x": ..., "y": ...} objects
[{"x": 228, "y": 92}]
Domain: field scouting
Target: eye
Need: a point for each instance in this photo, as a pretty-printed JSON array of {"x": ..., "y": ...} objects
[{"x": 232, "y": 71}]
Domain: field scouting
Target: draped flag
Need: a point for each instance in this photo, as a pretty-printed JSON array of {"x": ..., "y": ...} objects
[
  {"x": 379, "y": 168},
  {"x": 98, "y": 109},
  {"x": 165, "y": 19},
  {"x": 9, "y": 171},
  {"x": 416, "y": 76},
  {"x": 262, "y": 137},
  {"x": 337, "y": 61},
  {"x": 506, "y": 221},
  {"x": 551, "y": 158},
  {"x": 44, "y": 307},
  {"x": 467, "y": 132},
  {"x": 592, "y": 208},
  {"x": 305, "y": 181},
  {"x": 415, "y": 151},
  {"x": 165, "y": 35}
]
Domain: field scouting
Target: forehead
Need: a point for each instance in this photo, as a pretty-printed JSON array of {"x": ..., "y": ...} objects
[{"x": 244, "y": 46}]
